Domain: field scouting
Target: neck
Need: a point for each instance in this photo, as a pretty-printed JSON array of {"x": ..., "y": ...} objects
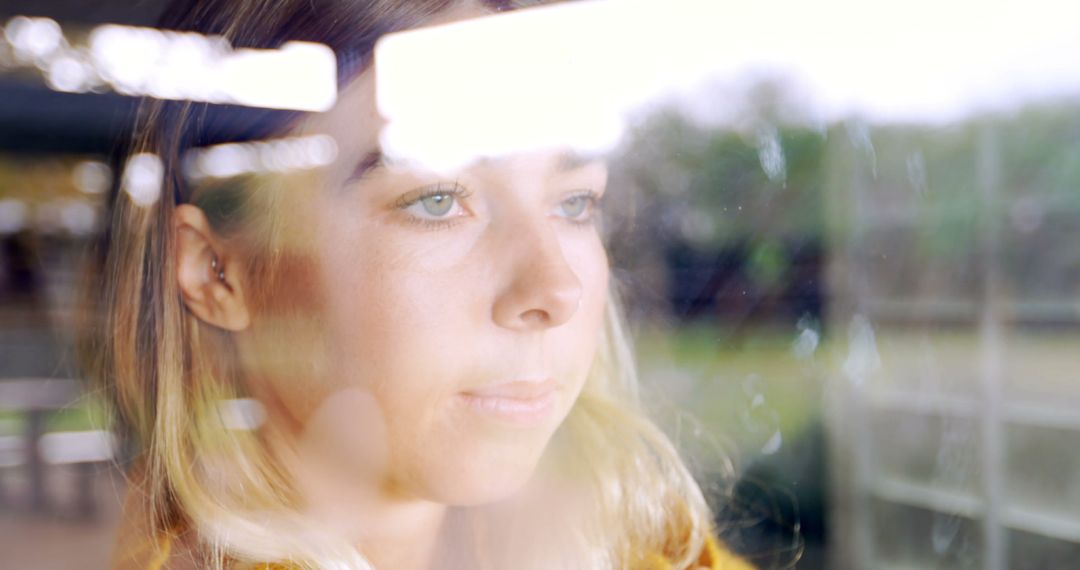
[
  {"x": 402, "y": 535},
  {"x": 389, "y": 527}
]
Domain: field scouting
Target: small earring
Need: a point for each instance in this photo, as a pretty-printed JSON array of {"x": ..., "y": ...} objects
[{"x": 214, "y": 266}]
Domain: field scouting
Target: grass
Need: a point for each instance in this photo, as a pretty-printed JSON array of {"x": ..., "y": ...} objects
[
  {"x": 87, "y": 415},
  {"x": 741, "y": 391}
]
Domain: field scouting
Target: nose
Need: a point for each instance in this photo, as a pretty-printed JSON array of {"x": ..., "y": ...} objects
[{"x": 542, "y": 290}]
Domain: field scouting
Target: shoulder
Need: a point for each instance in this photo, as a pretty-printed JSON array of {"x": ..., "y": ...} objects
[
  {"x": 167, "y": 551},
  {"x": 136, "y": 545},
  {"x": 141, "y": 546},
  {"x": 714, "y": 556},
  {"x": 144, "y": 552}
]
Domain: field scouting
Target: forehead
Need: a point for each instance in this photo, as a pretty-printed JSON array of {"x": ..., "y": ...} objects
[
  {"x": 354, "y": 119},
  {"x": 353, "y": 122}
]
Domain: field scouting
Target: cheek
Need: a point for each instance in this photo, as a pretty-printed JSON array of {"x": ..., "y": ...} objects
[
  {"x": 584, "y": 331},
  {"x": 411, "y": 323},
  {"x": 595, "y": 275},
  {"x": 395, "y": 331},
  {"x": 347, "y": 432},
  {"x": 398, "y": 324},
  {"x": 379, "y": 300},
  {"x": 587, "y": 258},
  {"x": 284, "y": 354},
  {"x": 408, "y": 318}
]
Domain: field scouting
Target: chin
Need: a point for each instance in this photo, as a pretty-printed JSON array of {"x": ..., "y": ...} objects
[{"x": 485, "y": 478}]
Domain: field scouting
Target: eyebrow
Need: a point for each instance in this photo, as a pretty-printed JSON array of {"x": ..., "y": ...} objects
[
  {"x": 370, "y": 161},
  {"x": 567, "y": 161},
  {"x": 571, "y": 160}
]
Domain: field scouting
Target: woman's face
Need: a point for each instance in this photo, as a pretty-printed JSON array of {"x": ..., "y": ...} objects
[{"x": 454, "y": 318}]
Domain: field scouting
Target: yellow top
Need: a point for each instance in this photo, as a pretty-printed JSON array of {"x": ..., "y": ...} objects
[{"x": 713, "y": 557}]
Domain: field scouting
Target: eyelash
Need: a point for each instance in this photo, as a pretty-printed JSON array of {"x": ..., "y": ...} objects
[
  {"x": 459, "y": 192},
  {"x": 593, "y": 202},
  {"x": 454, "y": 189}
]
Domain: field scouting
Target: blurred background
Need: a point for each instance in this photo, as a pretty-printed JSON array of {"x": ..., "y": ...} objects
[{"x": 859, "y": 321}]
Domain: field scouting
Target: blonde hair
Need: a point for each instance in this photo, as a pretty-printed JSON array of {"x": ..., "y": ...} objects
[{"x": 166, "y": 372}]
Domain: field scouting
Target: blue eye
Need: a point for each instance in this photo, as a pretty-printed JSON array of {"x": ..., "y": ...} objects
[
  {"x": 435, "y": 203},
  {"x": 577, "y": 208}
]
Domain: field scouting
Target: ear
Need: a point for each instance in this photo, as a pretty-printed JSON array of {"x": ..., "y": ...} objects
[{"x": 210, "y": 279}]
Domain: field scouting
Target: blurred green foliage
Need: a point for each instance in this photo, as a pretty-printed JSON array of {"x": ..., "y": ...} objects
[
  {"x": 916, "y": 207},
  {"x": 765, "y": 183}
]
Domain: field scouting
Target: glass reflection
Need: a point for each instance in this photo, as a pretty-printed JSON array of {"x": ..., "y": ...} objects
[{"x": 840, "y": 237}]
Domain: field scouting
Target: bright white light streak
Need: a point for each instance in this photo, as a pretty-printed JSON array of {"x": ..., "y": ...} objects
[
  {"x": 68, "y": 74},
  {"x": 126, "y": 57},
  {"x": 13, "y": 214},
  {"x": 78, "y": 217},
  {"x": 77, "y": 446},
  {"x": 92, "y": 176},
  {"x": 570, "y": 73},
  {"x": 143, "y": 177},
  {"x": 33, "y": 38},
  {"x": 281, "y": 155},
  {"x": 299, "y": 76},
  {"x": 243, "y": 414},
  {"x": 503, "y": 84}
]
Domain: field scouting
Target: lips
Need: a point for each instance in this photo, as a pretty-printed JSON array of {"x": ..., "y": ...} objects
[
  {"x": 516, "y": 390},
  {"x": 520, "y": 401}
]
